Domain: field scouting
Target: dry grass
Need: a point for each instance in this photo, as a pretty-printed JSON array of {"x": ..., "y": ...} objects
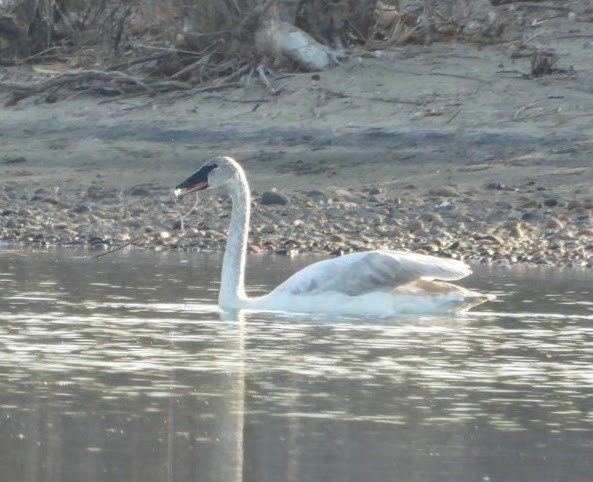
[
  {"x": 159, "y": 45},
  {"x": 31, "y": 27}
]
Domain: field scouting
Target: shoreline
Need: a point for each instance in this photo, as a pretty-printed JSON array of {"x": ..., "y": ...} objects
[
  {"x": 494, "y": 225},
  {"x": 439, "y": 149}
]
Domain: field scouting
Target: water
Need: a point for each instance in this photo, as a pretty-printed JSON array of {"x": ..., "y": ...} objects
[{"x": 122, "y": 369}]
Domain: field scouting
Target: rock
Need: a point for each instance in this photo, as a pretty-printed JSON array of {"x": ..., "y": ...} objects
[
  {"x": 357, "y": 244},
  {"x": 489, "y": 239},
  {"x": 443, "y": 192},
  {"x": 12, "y": 224},
  {"x": 81, "y": 208},
  {"x": 494, "y": 186},
  {"x": 280, "y": 39},
  {"x": 516, "y": 231},
  {"x": 414, "y": 226},
  {"x": 551, "y": 202},
  {"x": 427, "y": 247},
  {"x": 531, "y": 204},
  {"x": 176, "y": 224},
  {"x": 96, "y": 242},
  {"x": 315, "y": 193},
  {"x": 431, "y": 217},
  {"x": 531, "y": 216},
  {"x": 337, "y": 238},
  {"x": 51, "y": 200},
  {"x": 551, "y": 195},
  {"x": 273, "y": 197},
  {"x": 394, "y": 213},
  {"x": 446, "y": 205},
  {"x": 140, "y": 191},
  {"x": 554, "y": 223},
  {"x": 335, "y": 213},
  {"x": 344, "y": 195}
]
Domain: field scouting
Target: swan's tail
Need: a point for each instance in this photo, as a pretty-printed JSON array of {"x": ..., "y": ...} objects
[{"x": 440, "y": 293}]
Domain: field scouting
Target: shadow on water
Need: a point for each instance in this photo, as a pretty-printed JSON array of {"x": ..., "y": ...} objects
[{"x": 124, "y": 369}]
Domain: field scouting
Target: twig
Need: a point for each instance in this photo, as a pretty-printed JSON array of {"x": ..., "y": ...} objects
[
  {"x": 179, "y": 95},
  {"x": 457, "y": 76},
  {"x": 455, "y": 114},
  {"x": 545, "y": 6},
  {"x": 13, "y": 252},
  {"x": 523, "y": 108},
  {"x": 131, "y": 241},
  {"x": 241, "y": 101},
  {"x": 188, "y": 68},
  {"x": 140, "y": 60},
  {"x": 262, "y": 75},
  {"x": 237, "y": 73},
  {"x": 124, "y": 83},
  {"x": 543, "y": 114},
  {"x": 40, "y": 54},
  {"x": 183, "y": 216},
  {"x": 443, "y": 74},
  {"x": 395, "y": 100},
  {"x": 167, "y": 49},
  {"x": 576, "y": 35}
]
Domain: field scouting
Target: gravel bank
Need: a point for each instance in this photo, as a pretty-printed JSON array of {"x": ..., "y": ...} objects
[{"x": 492, "y": 224}]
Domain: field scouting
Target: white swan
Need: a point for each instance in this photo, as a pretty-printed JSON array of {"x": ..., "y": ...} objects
[{"x": 379, "y": 283}]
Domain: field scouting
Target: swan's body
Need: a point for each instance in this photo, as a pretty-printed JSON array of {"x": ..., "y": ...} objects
[{"x": 380, "y": 283}]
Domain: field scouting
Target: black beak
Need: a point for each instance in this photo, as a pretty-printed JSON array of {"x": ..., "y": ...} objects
[{"x": 196, "y": 182}]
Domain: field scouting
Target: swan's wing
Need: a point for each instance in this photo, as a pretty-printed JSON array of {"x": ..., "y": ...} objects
[{"x": 359, "y": 273}]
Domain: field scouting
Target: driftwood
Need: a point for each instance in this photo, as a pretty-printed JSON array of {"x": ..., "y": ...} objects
[
  {"x": 285, "y": 42},
  {"x": 174, "y": 45},
  {"x": 198, "y": 76},
  {"x": 103, "y": 82}
]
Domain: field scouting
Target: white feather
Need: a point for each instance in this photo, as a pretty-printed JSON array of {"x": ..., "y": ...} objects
[{"x": 360, "y": 273}]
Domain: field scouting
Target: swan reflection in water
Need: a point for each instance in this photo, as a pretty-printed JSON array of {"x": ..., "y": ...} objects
[{"x": 379, "y": 283}]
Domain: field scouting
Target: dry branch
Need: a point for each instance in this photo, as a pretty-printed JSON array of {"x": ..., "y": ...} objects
[{"x": 97, "y": 80}]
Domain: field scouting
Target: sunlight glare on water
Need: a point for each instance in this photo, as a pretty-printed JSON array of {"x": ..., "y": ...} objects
[{"x": 123, "y": 368}]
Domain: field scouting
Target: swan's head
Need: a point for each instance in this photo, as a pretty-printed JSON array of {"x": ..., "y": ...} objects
[{"x": 219, "y": 172}]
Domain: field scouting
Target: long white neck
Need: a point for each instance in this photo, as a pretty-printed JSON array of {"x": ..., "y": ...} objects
[{"x": 232, "y": 281}]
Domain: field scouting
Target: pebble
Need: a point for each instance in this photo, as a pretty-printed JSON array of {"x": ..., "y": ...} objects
[
  {"x": 532, "y": 216},
  {"x": 494, "y": 186},
  {"x": 554, "y": 223},
  {"x": 443, "y": 192},
  {"x": 273, "y": 197},
  {"x": 517, "y": 231},
  {"x": 81, "y": 208},
  {"x": 315, "y": 193},
  {"x": 414, "y": 226},
  {"x": 141, "y": 191}
]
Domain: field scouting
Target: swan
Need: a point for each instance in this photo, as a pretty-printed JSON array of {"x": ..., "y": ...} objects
[{"x": 380, "y": 283}]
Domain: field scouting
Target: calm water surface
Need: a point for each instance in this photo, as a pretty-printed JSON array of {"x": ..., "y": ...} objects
[{"x": 123, "y": 369}]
